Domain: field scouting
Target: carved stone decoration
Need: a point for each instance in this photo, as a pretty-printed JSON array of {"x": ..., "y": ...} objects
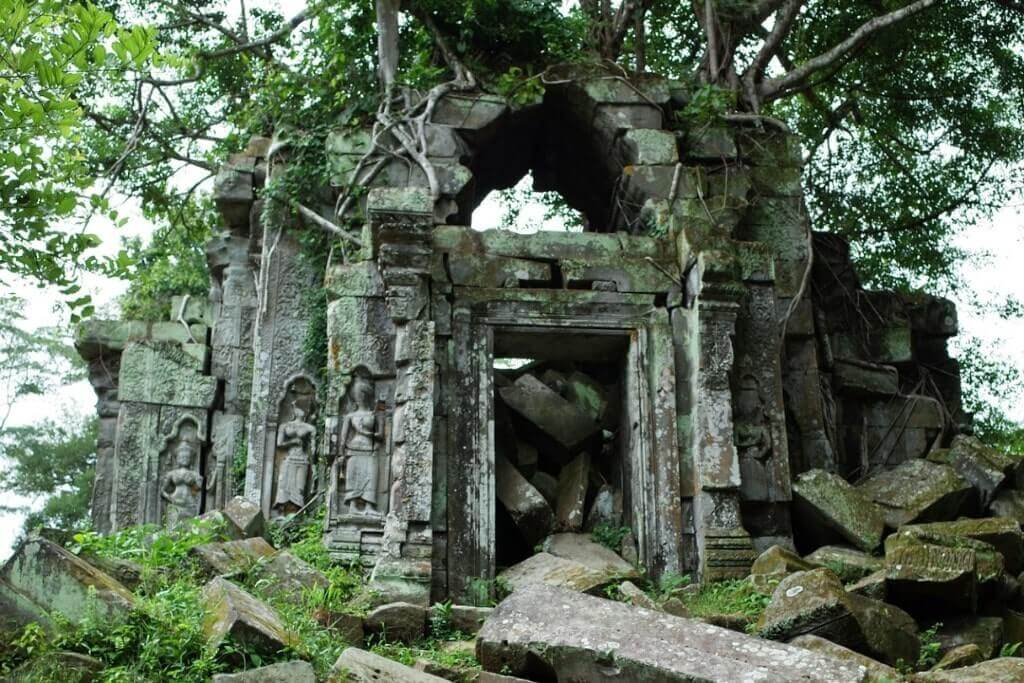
[
  {"x": 181, "y": 486},
  {"x": 357, "y": 469},
  {"x": 294, "y": 452}
]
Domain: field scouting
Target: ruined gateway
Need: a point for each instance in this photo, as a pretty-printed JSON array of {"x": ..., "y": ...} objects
[{"x": 689, "y": 358}]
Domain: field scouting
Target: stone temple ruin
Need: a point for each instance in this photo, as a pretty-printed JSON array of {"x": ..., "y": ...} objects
[{"x": 674, "y": 369}]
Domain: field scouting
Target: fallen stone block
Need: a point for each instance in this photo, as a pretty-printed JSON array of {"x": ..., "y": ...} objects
[
  {"x": 876, "y": 671},
  {"x": 959, "y": 657},
  {"x": 488, "y": 677},
  {"x": 348, "y": 627},
  {"x": 587, "y": 394},
  {"x": 545, "y": 568},
  {"x": 250, "y": 623},
  {"x": 127, "y": 572},
  {"x": 985, "y": 632},
  {"x": 547, "y": 486},
  {"x": 397, "y": 621},
  {"x": 231, "y": 557},
  {"x": 70, "y": 667},
  {"x": 631, "y": 593},
  {"x": 828, "y": 506},
  {"x": 285, "y": 672},
  {"x": 244, "y": 518},
  {"x": 849, "y": 564},
  {"x": 555, "y": 417},
  {"x": 525, "y": 504},
  {"x": 581, "y": 548},
  {"x": 931, "y": 578},
  {"x": 775, "y": 564},
  {"x": 606, "y": 510},
  {"x": 573, "y": 481},
  {"x": 1002, "y": 670},
  {"x": 984, "y": 467},
  {"x": 814, "y": 602},
  {"x": 42, "y": 578},
  {"x": 1002, "y": 533},
  {"x": 1008, "y": 503},
  {"x": 463, "y": 618},
  {"x": 547, "y": 633},
  {"x": 359, "y": 666},
  {"x": 871, "y": 586},
  {"x": 290, "y": 574},
  {"x": 917, "y": 491}
]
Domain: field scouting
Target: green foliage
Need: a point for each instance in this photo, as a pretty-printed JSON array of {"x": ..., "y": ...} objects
[
  {"x": 930, "y": 647},
  {"x": 172, "y": 263},
  {"x": 707, "y": 104},
  {"x": 50, "y": 52},
  {"x": 518, "y": 87},
  {"x": 666, "y": 586},
  {"x": 54, "y": 461},
  {"x": 488, "y": 592},
  {"x": 733, "y": 596},
  {"x": 609, "y": 536},
  {"x": 1010, "y": 649},
  {"x": 985, "y": 380}
]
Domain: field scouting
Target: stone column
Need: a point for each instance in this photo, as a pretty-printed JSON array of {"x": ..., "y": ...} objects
[{"x": 724, "y": 546}]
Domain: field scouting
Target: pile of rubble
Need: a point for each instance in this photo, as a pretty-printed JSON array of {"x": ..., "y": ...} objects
[
  {"x": 930, "y": 550},
  {"x": 556, "y": 464}
]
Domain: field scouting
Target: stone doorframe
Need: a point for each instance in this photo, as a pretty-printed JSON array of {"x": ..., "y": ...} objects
[{"x": 654, "y": 456}]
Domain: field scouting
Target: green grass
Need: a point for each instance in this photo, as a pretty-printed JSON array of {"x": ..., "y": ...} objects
[{"x": 734, "y": 596}]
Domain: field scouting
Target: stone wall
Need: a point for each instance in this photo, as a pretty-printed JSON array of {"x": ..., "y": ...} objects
[{"x": 742, "y": 364}]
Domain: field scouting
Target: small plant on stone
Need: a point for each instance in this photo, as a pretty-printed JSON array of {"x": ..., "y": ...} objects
[
  {"x": 609, "y": 536},
  {"x": 441, "y": 621},
  {"x": 930, "y": 647},
  {"x": 667, "y": 584},
  {"x": 1009, "y": 649}
]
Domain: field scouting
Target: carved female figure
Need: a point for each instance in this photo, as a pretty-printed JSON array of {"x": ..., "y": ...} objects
[
  {"x": 182, "y": 486},
  {"x": 360, "y": 434},
  {"x": 296, "y": 435}
]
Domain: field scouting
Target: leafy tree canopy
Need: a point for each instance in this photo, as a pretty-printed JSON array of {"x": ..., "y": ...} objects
[{"x": 911, "y": 112}]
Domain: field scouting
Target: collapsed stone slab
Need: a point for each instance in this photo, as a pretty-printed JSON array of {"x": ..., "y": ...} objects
[
  {"x": 814, "y": 602},
  {"x": 285, "y": 672},
  {"x": 577, "y": 572},
  {"x": 547, "y": 633},
  {"x": 876, "y": 671},
  {"x": 984, "y": 467},
  {"x": 921, "y": 576},
  {"x": 848, "y": 564},
  {"x": 232, "y": 556},
  {"x": 557, "y": 418},
  {"x": 359, "y": 666},
  {"x": 525, "y": 504},
  {"x": 827, "y": 505},
  {"x": 573, "y": 481},
  {"x": 1001, "y": 533},
  {"x": 42, "y": 578},
  {"x": 1002, "y": 670},
  {"x": 244, "y": 518},
  {"x": 397, "y": 621},
  {"x": 251, "y": 623},
  {"x": 917, "y": 491}
]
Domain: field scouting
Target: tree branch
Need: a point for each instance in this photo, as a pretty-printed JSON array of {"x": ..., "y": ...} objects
[
  {"x": 783, "y": 25},
  {"x": 773, "y": 88},
  {"x": 269, "y": 39},
  {"x": 463, "y": 76}
]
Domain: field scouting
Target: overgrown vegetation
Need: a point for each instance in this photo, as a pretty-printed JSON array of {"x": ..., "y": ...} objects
[
  {"x": 731, "y": 597},
  {"x": 163, "y": 639}
]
